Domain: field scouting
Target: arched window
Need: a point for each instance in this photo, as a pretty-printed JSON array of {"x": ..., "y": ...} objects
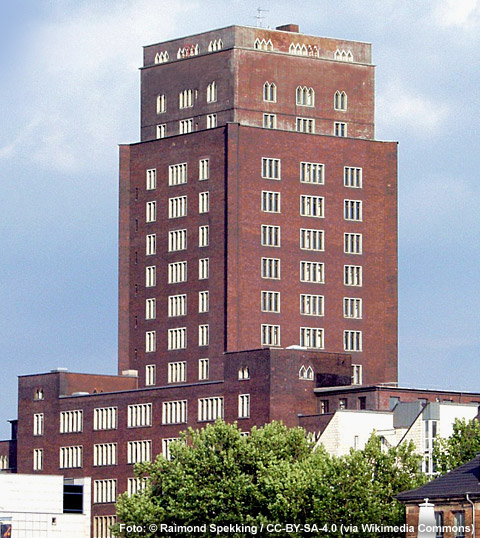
[
  {"x": 343, "y": 55},
  {"x": 161, "y": 57},
  {"x": 309, "y": 374},
  {"x": 216, "y": 44},
  {"x": 270, "y": 92},
  {"x": 263, "y": 44},
  {"x": 161, "y": 103},
  {"x": 212, "y": 92},
  {"x": 302, "y": 373},
  {"x": 305, "y": 96},
  {"x": 38, "y": 394},
  {"x": 340, "y": 100},
  {"x": 244, "y": 373}
]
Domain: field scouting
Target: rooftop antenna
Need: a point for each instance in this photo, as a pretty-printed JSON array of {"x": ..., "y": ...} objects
[{"x": 259, "y": 16}]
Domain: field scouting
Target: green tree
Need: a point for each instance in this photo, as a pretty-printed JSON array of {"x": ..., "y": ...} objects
[
  {"x": 462, "y": 446},
  {"x": 217, "y": 476}
]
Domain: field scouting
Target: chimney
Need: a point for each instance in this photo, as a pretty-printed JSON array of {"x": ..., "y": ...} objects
[{"x": 288, "y": 28}]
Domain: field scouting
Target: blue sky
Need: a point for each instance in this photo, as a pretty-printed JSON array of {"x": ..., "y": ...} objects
[{"x": 70, "y": 94}]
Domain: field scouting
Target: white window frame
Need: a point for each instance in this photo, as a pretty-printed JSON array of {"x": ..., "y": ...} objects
[
  {"x": 104, "y": 491},
  {"x": 271, "y": 168},
  {"x": 270, "y": 236},
  {"x": 211, "y": 121},
  {"x": 305, "y": 125},
  {"x": 177, "y": 305},
  {"x": 151, "y": 212},
  {"x": 340, "y": 101},
  {"x": 150, "y": 341},
  {"x": 105, "y": 418},
  {"x": 270, "y": 268},
  {"x": 210, "y": 409},
  {"x": 203, "y": 169},
  {"x": 151, "y": 244},
  {"x": 270, "y": 92},
  {"x": 203, "y": 369},
  {"x": 352, "y": 275},
  {"x": 177, "y": 272},
  {"x": 312, "y": 305},
  {"x": 203, "y": 236},
  {"x": 340, "y": 128},
  {"x": 270, "y": 301},
  {"x": 177, "y": 338},
  {"x": 353, "y": 243},
  {"x": 185, "y": 126},
  {"x": 102, "y": 525},
  {"x": 150, "y": 276},
  {"x": 312, "y": 239},
  {"x": 177, "y": 207},
  {"x": 151, "y": 179},
  {"x": 71, "y": 457},
  {"x": 204, "y": 335},
  {"x": 37, "y": 459},
  {"x": 161, "y": 103},
  {"x": 104, "y": 454},
  {"x": 352, "y": 307},
  {"x": 352, "y": 341},
  {"x": 139, "y": 451},
  {"x": 313, "y": 173},
  {"x": 177, "y": 174},
  {"x": 139, "y": 415},
  {"x": 271, "y": 202},
  {"x": 270, "y": 335},
  {"x": 305, "y": 96},
  {"x": 269, "y": 121},
  {"x": 203, "y": 301},
  {"x": 212, "y": 92},
  {"x": 352, "y": 177},
  {"x": 161, "y": 130},
  {"x": 203, "y": 268},
  {"x": 150, "y": 375},
  {"x": 312, "y": 337},
  {"x": 177, "y": 372},
  {"x": 203, "y": 202},
  {"x": 166, "y": 447},
  {"x": 353, "y": 210},
  {"x": 38, "y": 424},
  {"x": 312, "y": 206},
  {"x": 150, "y": 308},
  {"x": 185, "y": 98},
  {"x": 174, "y": 412},
  {"x": 177, "y": 240},
  {"x": 313, "y": 272},
  {"x": 71, "y": 421},
  {"x": 244, "y": 406},
  {"x": 357, "y": 374}
]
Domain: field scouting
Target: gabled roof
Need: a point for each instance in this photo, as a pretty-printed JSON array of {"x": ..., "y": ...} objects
[{"x": 456, "y": 483}]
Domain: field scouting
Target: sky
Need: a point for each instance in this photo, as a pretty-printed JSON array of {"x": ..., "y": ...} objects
[{"x": 70, "y": 93}]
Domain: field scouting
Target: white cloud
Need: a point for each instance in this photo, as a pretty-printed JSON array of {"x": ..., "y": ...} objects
[
  {"x": 458, "y": 13},
  {"x": 79, "y": 79},
  {"x": 399, "y": 108}
]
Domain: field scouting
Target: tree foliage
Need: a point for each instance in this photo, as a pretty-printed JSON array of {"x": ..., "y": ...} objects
[
  {"x": 217, "y": 476},
  {"x": 461, "y": 447}
]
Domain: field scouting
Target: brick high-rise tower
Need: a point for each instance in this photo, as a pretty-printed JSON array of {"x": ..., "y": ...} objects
[{"x": 258, "y": 210}]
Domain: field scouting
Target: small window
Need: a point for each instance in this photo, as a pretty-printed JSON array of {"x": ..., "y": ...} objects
[
  {"x": 211, "y": 121},
  {"x": 212, "y": 92},
  {"x": 203, "y": 369},
  {"x": 161, "y": 104},
  {"x": 270, "y": 168},
  {"x": 150, "y": 375},
  {"x": 342, "y": 403},
  {"x": 270, "y": 121},
  {"x": 305, "y": 96},
  {"x": 459, "y": 524},
  {"x": 161, "y": 130},
  {"x": 324, "y": 406},
  {"x": 185, "y": 126},
  {"x": 362, "y": 402},
  {"x": 203, "y": 169},
  {"x": 185, "y": 99},
  {"x": 270, "y": 92},
  {"x": 352, "y": 340},
  {"x": 151, "y": 179},
  {"x": 340, "y": 128},
  {"x": 243, "y": 373},
  {"x": 352, "y": 177},
  {"x": 38, "y": 395},
  {"x": 243, "y": 405},
  {"x": 357, "y": 374},
  {"x": 305, "y": 125},
  {"x": 340, "y": 101},
  {"x": 270, "y": 335}
]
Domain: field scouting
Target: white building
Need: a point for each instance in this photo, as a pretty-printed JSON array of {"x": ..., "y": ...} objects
[
  {"x": 45, "y": 506},
  {"x": 408, "y": 421}
]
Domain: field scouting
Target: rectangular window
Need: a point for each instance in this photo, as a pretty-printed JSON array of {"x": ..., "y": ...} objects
[
  {"x": 271, "y": 268},
  {"x": 151, "y": 244},
  {"x": 270, "y": 168},
  {"x": 101, "y": 526},
  {"x": 203, "y": 202},
  {"x": 139, "y": 415},
  {"x": 311, "y": 305},
  {"x": 177, "y": 305},
  {"x": 161, "y": 104},
  {"x": 203, "y": 268},
  {"x": 312, "y": 173},
  {"x": 177, "y": 174},
  {"x": 352, "y": 307},
  {"x": 136, "y": 485},
  {"x": 105, "y": 418},
  {"x": 211, "y": 121},
  {"x": 311, "y": 337},
  {"x": 38, "y": 459},
  {"x": 210, "y": 408},
  {"x": 270, "y": 301},
  {"x": 174, "y": 412},
  {"x": 352, "y": 340},
  {"x": 139, "y": 451},
  {"x": 352, "y": 243},
  {"x": 185, "y": 126},
  {"x": 151, "y": 212},
  {"x": 151, "y": 179},
  {"x": 270, "y": 202},
  {"x": 203, "y": 335},
  {"x": 243, "y": 405},
  {"x": 305, "y": 125},
  {"x": 150, "y": 375},
  {"x": 185, "y": 99},
  {"x": 71, "y": 421},
  {"x": 150, "y": 308},
  {"x": 177, "y": 338},
  {"x": 177, "y": 240},
  {"x": 203, "y": 369},
  {"x": 311, "y": 206},
  {"x": 161, "y": 130},
  {"x": 212, "y": 92},
  {"x": 104, "y": 491},
  {"x": 105, "y": 454},
  {"x": 203, "y": 302},
  {"x": 357, "y": 374},
  {"x": 459, "y": 524},
  {"x": 150, "y": 276},
  {"x": 311, "y": 239},
  {"x": 270, "y": 236},
  {"x": 177, "y": 207},
  {"x": 270, "y": 121},
  {"x": 177, "y": 272},
  {"x": 439, "y": 524},
  {"x": 340, "y": 128},
  {"x": 352, "y": 177},
  {"x": 38, "y": 424},
  {"x": 203, "y": 169},
  {"x": 270, "y": 335},
  {"x": 352, "y": 275},
  {"x": 166, "y": 446},
  {"x": 177, "y": 372},
  {"x": 71, "y": 457},
  {"x": 203, "y": 236},
  {"x": 352, "y": 210},
  {"x": 312, "y": 272},
  {"x": 324, "y": 406},
  {"x": 150, "y": 341}
]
